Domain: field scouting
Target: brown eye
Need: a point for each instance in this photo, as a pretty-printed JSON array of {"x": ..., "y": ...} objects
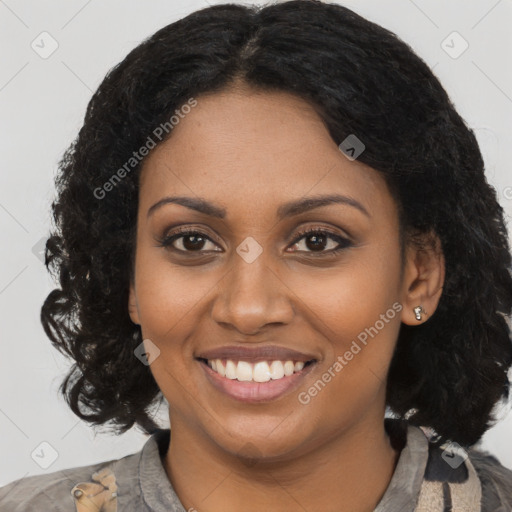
[
  {"x": 190, "y": 241},
  {"x": 316, "y": 240},
  {"x": 193, "y": 242}
]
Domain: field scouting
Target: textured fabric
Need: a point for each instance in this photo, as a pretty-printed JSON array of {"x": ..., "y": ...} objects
[
  {"x": 496, "y": 482},
  {"x": 426, "y": 479},
  {"x": 439, "y": 495}
]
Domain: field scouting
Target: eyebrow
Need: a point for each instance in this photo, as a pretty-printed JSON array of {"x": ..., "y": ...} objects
[{"x": 288, "y": 209}]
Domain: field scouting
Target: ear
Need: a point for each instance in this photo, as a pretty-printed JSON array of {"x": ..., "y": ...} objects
[
  {"x": 423, "y": 278},
  {"x": 133, "y": 308}
]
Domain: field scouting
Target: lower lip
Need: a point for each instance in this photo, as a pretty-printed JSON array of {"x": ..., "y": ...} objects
[{"x": 249, "y": 391}]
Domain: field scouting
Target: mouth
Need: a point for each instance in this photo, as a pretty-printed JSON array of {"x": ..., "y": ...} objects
[
  {"x": 261, "y": 371},
  {"x": 253, "y": 380}
]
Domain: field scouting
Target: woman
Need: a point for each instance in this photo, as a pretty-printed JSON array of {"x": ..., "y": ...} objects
[{"x": 275, "y": 220}]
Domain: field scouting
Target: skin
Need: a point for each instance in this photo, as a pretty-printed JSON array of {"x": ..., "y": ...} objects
[{"x": 249, "y": 152}]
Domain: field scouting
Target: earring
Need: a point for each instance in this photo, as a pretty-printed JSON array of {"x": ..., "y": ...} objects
[{"x": 417, "y": 311}]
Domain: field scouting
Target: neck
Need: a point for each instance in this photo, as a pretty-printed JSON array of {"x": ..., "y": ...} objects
[{"x": 347, "y": 473}]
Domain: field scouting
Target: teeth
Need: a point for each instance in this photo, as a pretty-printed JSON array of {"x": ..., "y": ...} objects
[
  {"x": 221, "y": 369},
  {"x": 244, "y": 371},
  {"x": 276, "y": 370},
  {"x": 288, "y": 368},
  {"x": 230, "y": 370},
  {"x": 261, "y": 371}
]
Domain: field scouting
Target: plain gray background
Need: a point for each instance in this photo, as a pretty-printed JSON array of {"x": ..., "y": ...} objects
[{"x": 42, "y": 104}]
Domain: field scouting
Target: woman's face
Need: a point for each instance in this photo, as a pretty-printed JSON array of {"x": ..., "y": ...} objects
[{"x": 247, "y": 287}]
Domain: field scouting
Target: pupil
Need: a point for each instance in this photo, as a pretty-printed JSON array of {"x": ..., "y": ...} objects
[
  {"x": 192, "y": 246},
  {"x": 315, "y": 246}
]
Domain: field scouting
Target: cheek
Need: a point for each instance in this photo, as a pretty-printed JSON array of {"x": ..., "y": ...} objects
[
  {"x": 359, "y": 318},
  {"x": 166, "y": 291},
  {"x": 169, "y": 302},
  {"x": 356, "y": 307},
  {"x": 347, "y": 298}
]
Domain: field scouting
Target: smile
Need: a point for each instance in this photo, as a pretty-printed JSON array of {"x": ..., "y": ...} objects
[
  {"x": 262, "y": 371},
  {"x": 255, "y": 382}
]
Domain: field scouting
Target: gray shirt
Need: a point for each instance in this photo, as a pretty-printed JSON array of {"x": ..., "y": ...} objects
[{"x": 425, "y": 479}]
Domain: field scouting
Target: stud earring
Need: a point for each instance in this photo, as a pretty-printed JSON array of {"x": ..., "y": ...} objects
[{"x": 418, "y": 310}]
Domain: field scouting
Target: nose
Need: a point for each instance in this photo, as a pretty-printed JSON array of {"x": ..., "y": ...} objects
[{"x": 252, "y": 296}]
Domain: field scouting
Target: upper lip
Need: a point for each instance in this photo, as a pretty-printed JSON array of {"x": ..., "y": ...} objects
[{"x": 265, "y": 353}]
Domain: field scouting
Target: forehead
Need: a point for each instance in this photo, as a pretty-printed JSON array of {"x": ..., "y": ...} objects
[{"x": 246, "y": 147}]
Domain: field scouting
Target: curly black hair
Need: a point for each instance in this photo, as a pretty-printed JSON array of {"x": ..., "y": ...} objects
[{"x": 447, "y": 373}]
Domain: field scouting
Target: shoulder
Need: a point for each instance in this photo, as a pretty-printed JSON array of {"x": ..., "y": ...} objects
[
  {"x": 470, "y": 480},
  {"x": 496, "y": 481},
  {"x": 88, "y": 487}
]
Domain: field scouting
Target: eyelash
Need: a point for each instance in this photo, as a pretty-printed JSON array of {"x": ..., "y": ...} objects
[{"x": 343, "y": 242}]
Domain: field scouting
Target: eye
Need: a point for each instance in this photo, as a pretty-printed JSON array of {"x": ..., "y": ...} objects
[
  {"x": 190, "y": 240},
  {"x": 319, "y": 239}
]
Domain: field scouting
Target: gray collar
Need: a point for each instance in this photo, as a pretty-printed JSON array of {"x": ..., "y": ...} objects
[
  {"x": 405, "y": 485},
  {"x": 156, "y": 489}
]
